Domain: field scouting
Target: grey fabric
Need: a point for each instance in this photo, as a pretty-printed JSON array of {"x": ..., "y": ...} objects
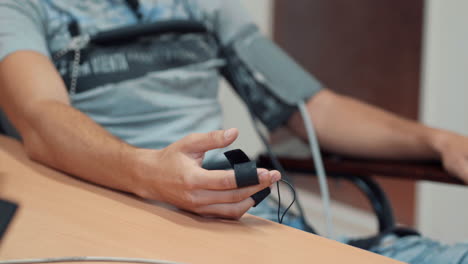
[
  {"x": 409, "y": 249},
  {"x": 272, "y": 67},
  {"x": 23, "y": 27},
  {"x": 149, "y": 110},
  {"x": 421, "y": 250},
  {"x": 152, "y": 110},
  {"x": 101, "y": 65}
]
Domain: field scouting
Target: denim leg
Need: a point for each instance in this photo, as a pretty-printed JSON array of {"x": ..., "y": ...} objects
[
  {"x": 410, "y": 249},
  {"x": 268, "y": 209},
  {"x": 419, "y": 250}
]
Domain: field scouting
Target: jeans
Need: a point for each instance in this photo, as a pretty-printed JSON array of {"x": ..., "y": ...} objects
[
  {"x": 410, "y": 249},
  {"x": 419, "y": 250}
]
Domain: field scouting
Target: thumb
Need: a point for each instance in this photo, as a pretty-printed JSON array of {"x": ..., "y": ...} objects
[{"x": 202, "y": 142}]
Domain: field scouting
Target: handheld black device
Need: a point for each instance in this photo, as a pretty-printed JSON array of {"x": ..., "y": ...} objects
[{"x": 7, "y": 211}]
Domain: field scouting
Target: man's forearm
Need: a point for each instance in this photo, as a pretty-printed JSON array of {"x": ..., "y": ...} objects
[
  {"x": 347, "y": 126},
  {"x": 34, "y": 98},
  {"x": 68, "y": 140}
]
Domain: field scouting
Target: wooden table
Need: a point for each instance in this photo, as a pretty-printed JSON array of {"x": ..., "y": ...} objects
[{"x": 63, "y": 216}]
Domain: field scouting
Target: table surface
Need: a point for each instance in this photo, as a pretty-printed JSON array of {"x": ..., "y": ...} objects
[{"x": 60, "y": 215}]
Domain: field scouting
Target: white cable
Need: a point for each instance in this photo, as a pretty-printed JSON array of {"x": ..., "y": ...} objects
[
  {"x": 85, "y": 258},
  {"x": 322, "y": 178}
]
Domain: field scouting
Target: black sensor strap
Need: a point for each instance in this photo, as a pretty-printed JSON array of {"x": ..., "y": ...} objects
[
  {"x": 131, "y": 32},
  {"x": 246, "y": 173}
]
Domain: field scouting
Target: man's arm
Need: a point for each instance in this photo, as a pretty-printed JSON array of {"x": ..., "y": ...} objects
[
  {"x": 54, "y": 133},
  {"x": 35, "y": 100},
  {"x": 350, "y": 127}
]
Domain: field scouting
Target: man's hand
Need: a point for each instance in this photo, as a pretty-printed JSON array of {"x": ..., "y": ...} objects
[
  {"x": 35, "y": 99},
  {"x": 174, "y": 175},
  {"x": 453, "y": 149}
]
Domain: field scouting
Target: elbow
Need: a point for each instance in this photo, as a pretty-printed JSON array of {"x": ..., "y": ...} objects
[
  {"x": 34, "y": 148},
  {"x": 30, "y": 148},
  {"x": 30, "y": 124}
]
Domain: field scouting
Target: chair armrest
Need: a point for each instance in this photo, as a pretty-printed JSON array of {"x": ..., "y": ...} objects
[{"x": 336, "y": 165}]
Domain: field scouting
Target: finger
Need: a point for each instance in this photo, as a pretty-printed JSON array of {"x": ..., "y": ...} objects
[
  {"x": 227, "y": 210},
  {"x": 202, "y": 142},
  {"x": 226, "y": 180},
  {"x": 206, "y": 197},
  {"x": 455, "y": 166},
  {"x": 463, "y": 173}
]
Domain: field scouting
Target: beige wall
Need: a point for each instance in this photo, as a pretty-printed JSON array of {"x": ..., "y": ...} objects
[{"x": 443, "y": 211}]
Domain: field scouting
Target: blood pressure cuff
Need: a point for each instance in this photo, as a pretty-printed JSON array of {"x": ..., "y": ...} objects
[{"x": 265, "y": 77}]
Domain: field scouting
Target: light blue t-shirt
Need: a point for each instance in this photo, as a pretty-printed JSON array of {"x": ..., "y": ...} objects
[{"x": 152, "y": 110}]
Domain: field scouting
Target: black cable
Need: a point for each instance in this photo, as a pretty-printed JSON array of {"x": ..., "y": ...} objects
[
  {"x": 264, "y": 141},
  {"x": 134, "y": 5},
  {"x": 276, "y": 164},
  {"x": 270, "y": 152},
  {"x": 280, "y": 220}
]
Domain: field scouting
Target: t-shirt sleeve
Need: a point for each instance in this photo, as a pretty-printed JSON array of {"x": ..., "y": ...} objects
[
  {"x": 22, "y": 27},
  {"x": 231, "y": 19}
]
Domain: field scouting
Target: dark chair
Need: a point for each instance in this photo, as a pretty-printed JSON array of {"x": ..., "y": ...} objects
[
  {"x": 2, "y": 130},
  {"x": 361, "y": 172}
]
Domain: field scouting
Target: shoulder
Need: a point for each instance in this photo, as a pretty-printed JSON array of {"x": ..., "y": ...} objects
[{"x": 32, "y": 9}]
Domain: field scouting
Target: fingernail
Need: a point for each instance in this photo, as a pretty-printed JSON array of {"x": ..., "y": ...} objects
[
  {"x": 263, "y": 175},
  {"x": 275, "y": 176},
  {"x": 228, "y": 133}
]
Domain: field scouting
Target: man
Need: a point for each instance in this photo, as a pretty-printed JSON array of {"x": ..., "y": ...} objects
[{"x": 150, "y": 134}]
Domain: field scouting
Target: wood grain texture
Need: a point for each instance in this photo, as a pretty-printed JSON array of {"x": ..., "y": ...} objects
[{"x": 63, "y": 216}]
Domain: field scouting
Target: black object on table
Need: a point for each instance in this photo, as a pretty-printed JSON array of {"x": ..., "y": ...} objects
[{"x": 7, "y": 211}]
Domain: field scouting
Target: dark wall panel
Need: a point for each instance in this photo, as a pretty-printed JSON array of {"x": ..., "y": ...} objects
[{"x": 367, "y": 49}]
